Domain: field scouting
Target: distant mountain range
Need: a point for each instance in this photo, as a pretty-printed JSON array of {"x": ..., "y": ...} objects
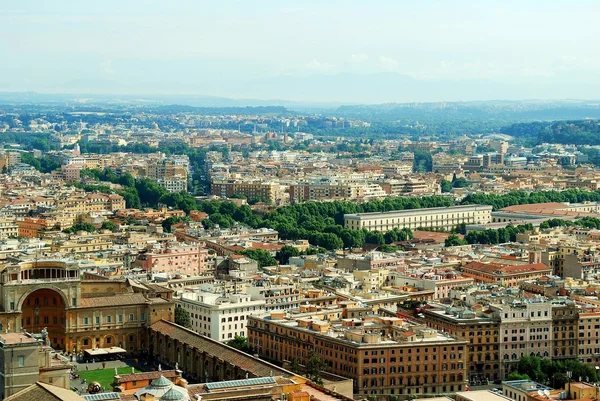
[{"x": 331, "y": 90}]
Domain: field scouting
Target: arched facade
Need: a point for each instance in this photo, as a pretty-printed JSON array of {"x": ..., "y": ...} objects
[{"x": 48, "y": 294}]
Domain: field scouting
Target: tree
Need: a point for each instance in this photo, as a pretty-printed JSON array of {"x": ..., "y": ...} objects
[
  {"x": 241, "y": 343},
  {"x": 109, "y": 225},
  {"x": 446, "y": 186},
  {"x": 80, "y": 227},
  {"x": 314, "y": 367},
  {"x": 284, "y": 254},
  {"x": 182, "y": 317},
  {"x": 295, "y": 366},
  {"x": 514, "y": 375},
  {"x": 455, "y": 240},
  {"x": 263, "y": 257}
]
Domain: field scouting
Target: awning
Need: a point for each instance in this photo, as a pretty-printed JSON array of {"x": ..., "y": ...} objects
[{"x": 105, "y": 351}]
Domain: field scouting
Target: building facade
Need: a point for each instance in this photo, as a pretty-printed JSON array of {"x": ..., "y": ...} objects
[
  {"x": 220, "y": 317},
  {"x": 438, "y": 217}
]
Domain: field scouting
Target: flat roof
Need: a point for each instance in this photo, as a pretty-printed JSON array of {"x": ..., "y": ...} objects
[
  {"x": 419, "y": 211},
  {"x": 16, "y": 338}
]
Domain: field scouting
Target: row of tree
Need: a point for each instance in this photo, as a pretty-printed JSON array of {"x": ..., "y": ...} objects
[{"x": 554, "y": 373}]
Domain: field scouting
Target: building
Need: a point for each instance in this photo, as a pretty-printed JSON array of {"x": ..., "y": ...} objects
[
  {"x": 8, "y": 229},
  {"x": 257, "y": 189},
  {"x": 204, "y": 359},
  {"x": 519, "y": 390},
  {"x": 505, "y": 275},
  {"x": 525, "y": 328},
  {"x": 565, "y": 325},
  {"x": 25, "y": 360},
  {"x": 174, "y": 259},
  {"x": 221, "y": 317},
  {"x": 441, "y": 283},
  {"x": 46, "y": 392},
  {"x": 480, "y": 330},
  {"x": 589, "y": 331},
  {"x": 383, "y": 356},
  {"x": 438, "y": 217},
  {"x": 78, "y": 314}
]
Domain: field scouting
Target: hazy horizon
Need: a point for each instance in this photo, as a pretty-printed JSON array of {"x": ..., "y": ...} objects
[{"x": 339, "y": 51}]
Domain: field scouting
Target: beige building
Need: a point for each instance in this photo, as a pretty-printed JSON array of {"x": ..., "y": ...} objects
[
  {"x": 78, "y": 314},
  {"x": 525, "y": 329},
  {"x": 250, "y": 189},
  {"x": 25, "y": 360},
  {"x": 8, "y": 229},
  {"x": 438, "y": 217}
]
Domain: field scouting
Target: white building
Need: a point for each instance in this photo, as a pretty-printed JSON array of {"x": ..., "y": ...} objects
[{"x": 220, "y": 317}]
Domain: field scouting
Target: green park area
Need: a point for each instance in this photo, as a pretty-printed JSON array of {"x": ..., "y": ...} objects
[{"x": 102, "y": 376}]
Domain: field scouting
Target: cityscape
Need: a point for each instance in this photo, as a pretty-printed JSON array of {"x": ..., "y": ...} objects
[{"x": 258, "y": 228}]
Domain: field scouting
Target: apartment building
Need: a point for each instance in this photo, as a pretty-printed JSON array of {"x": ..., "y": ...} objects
[
  {"x": 482, "y": 333},
  {"x": 8, "y": 229},
  {"x": 35, "y": 227},
  {"x": 174, "y": 259},
  {"x": 525, "y": 328},
  {"x": 276, "y": 296},
  {"x": 220, "y": 316},
  {"x": 565, "y": 322},
  {"x": 588, "y": 332},
  {"x": 326, "y": 190},
  {"x": 441, "y": 283},
  {"x": 173, "y": 184},
  {"x": 439, "y": 217},
  {"x": 383, "y": 356},
  {"x": 250, "y": 189}
]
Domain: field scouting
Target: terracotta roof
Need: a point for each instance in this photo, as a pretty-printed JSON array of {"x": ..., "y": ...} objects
[
  {"x": 255, "y": 366},
  {"x": 44, "y": 392},
  {"x": 506, "y": 269},
  {"x": 147, "y": 375},
  {"x": 118, "y": 300}
]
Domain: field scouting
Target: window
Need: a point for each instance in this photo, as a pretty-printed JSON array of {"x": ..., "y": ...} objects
[
  {"x": 21, "y": 361},
  {"x": 108, "y": 319},
  {"x": 86, "y": 320},
  {"x": 131, "y": 317},
  {"x": 97, "y": 319},
  {"x": 120, "y": 318}
]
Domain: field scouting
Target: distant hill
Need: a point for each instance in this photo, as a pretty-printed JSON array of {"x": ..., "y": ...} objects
[{"x": 579, "y": 132}]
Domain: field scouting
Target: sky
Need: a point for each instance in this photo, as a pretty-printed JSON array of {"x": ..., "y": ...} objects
[{"x": 304, "y": 50}]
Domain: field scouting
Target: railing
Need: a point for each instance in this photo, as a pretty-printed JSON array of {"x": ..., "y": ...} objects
[{"x": 42, "y": 280}]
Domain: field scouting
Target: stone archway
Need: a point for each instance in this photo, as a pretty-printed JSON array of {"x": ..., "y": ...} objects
[{"x": 45, "y": 308}]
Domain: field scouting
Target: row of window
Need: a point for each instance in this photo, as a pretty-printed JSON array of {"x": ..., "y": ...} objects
[{"x": 109, "y": 319}]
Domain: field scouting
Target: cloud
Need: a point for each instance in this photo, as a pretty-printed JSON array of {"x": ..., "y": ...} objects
[
  {"x": 388, "y": 63},
  {"x": 359, "y": 58},
  {"x": 316, "y": 65},
  {"x": 108, "y": 68}
]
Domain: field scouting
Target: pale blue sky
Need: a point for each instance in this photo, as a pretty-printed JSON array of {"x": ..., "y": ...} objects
[{"x": 217, "y": 47}]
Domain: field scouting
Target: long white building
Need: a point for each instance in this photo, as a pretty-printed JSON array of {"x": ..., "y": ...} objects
[
  {"x": 220, "y": 317},
  {"x": 436, "y": 217}
]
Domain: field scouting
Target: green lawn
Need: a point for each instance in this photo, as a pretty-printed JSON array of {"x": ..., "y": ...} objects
[{"x": 102, "y": 376}]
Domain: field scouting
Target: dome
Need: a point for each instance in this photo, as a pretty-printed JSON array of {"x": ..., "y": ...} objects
[
  {"x": 163, "y": 389},
  {"x": 172, "y": 395},
  {"x": 161, "y": 382}
]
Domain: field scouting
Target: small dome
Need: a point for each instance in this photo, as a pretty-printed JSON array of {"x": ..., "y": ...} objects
[
  {"x": 161, "y": 382},
  {"x": 172, "y": 395}
]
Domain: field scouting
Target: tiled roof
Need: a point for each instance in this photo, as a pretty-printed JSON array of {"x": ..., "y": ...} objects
[
  {"x": 147, "y": 376},
  {"x": 255, "y": 366},
  {"x": 506, "y": 269},
  {"x": 113, "y": 300},
  {"x": 46, "y": 392}
]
